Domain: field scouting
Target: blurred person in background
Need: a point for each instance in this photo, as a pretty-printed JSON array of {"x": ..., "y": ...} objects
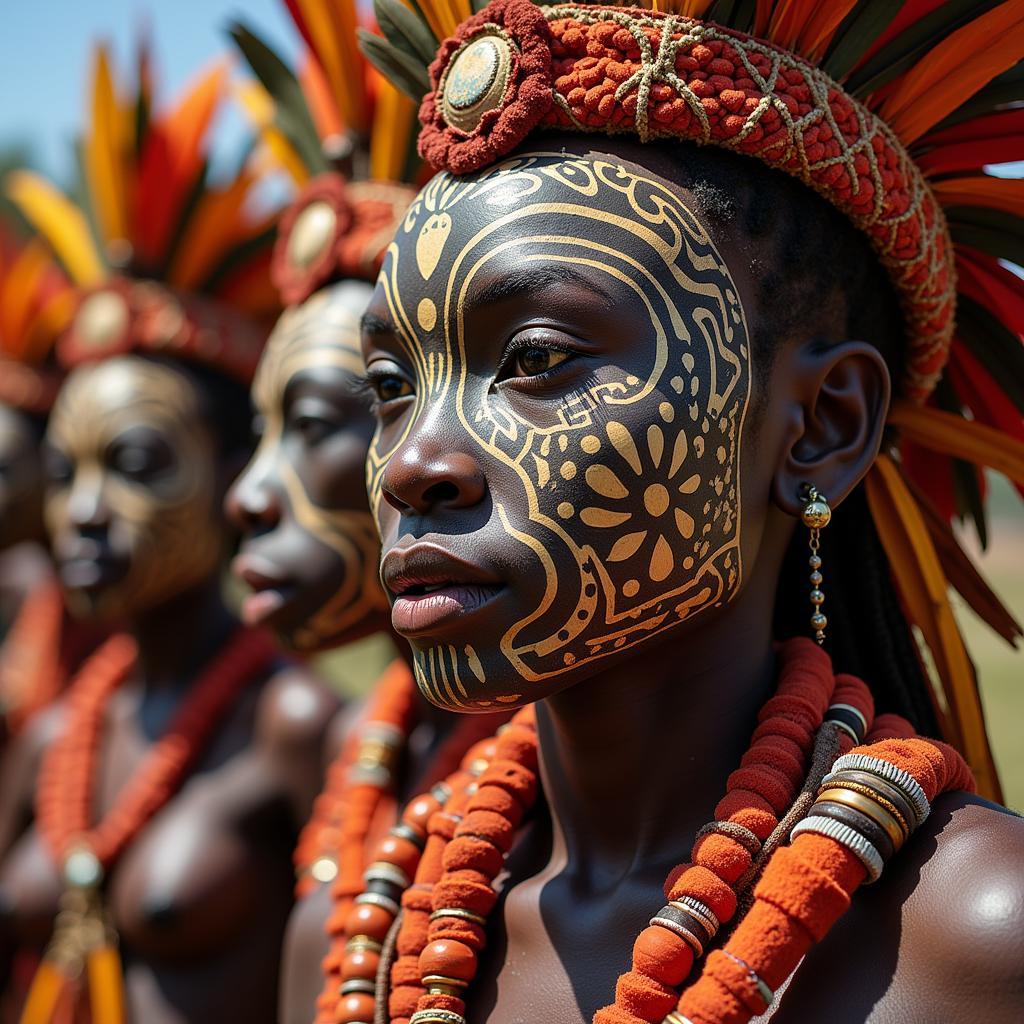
[
  {"x": 310, "y": 551},
  {"x": 39, "y": 641},
  {"x": 147, "y": 819}
]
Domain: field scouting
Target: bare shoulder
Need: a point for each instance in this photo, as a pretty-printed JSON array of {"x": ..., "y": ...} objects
[
  {"x": 939, "y": 937},
  {"x": 963, "y": 875},
  {"x": 295, "y": 711}
]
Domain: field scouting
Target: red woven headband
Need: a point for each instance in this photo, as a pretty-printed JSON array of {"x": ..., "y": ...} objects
[{"x": 515, "y": 67}]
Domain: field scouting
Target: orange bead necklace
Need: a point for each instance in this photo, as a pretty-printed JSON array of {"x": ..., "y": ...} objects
[
  {"x": 803, "y": 889},
  {"x": 64, "y": 804}
]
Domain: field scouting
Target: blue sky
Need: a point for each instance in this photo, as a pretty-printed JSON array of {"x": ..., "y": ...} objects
[{"x": 44, "y": 61}]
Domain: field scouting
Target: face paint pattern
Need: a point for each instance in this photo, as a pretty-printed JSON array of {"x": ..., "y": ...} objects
[
  {"x": 628, "y": 494},
  {"x": 166, "y": 529},
  {"x": 323, "y": 331}
]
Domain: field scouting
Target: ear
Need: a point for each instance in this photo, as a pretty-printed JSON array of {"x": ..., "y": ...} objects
[{"x": 843, "y": 395}]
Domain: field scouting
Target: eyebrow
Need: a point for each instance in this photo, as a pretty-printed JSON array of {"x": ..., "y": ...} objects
[
  {"x": 526, "y": 280},
  {"x": 372, "y": 324}
]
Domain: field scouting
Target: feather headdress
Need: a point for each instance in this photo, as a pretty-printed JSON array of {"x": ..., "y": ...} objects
[
  {"x": 344, "y": 134},
  {"x": 161, "y": 256},
  {"x": 893, "y": 112}
]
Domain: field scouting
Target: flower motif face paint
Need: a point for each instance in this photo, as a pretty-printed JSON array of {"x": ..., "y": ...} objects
[
  {"x": 131, "y": 506},
  {"x": 311, "y": 551},
  {"x": 563, "y": 369}
]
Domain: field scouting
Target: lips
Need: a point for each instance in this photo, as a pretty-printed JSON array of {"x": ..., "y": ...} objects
[
  {"x": 271, "y": 592},
  {"x": 434, "y": 589},
  {"x": 86, "y": 564}
]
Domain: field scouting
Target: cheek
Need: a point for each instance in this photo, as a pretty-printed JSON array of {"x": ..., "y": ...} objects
[{"x": 333, "y": 474}]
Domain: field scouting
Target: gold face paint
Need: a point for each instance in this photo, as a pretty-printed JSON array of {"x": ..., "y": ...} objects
[
  {"x": 623, "y": 491},
  {"x": 132, "y": 509},
  {"x": 320, "y": 480}
]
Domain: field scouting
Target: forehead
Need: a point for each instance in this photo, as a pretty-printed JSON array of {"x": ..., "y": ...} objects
[
  {"x": 100, "y": 399},
  {"x": 322, "y": 331},
  {"x": 589, "y": 214}
]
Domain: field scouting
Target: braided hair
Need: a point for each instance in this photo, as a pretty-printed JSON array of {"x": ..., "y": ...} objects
[{"x": 816, "y": 276}]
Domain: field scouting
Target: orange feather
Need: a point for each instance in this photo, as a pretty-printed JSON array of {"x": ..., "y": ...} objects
[
  {"x": 955, "y": 70},
  {"x": 326, "y": 115},
  {"x": 982, "y": 190},
  {"x": 817, "y": 33},
  {"x": 920, "y": 580},
  {"x": 953, "y": 435},
  {"x": 216, "y": 224}
]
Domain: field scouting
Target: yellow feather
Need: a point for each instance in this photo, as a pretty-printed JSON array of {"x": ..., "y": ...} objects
[
  {"x": 257, "y": 104},
  {"x": 104, "y": 154},
  {"x": 106, "y": 985},
  {"x": 333, "y": 28},
  {"x": 920, "y": 580},
  {"x": 393, "y": 124},
  {"x": 61, "y": 223},
  {"x": 48, "y": 985},
  {"x": 952, "y": 435}
]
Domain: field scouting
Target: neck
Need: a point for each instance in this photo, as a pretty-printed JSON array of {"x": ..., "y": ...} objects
[
  {"x": 178, "y": 637},
  {"x": 635, "y": 759}
]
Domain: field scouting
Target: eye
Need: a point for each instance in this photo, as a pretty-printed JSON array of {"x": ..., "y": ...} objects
[
  {"x": 313, "y": 429},
  {"x": 386, "y": 383},
  {"x": 532, "y": 355},
  {"x": 142, "y": 456},
  {"x": 534, "y": 360},
  {"x": 57, "y": 466}
]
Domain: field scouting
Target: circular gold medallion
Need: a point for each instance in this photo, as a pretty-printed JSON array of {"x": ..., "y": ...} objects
[
  {"x": 475, "y": 81},
  {"x": 101, "y": 319},
  {"x": 311, "y": 234}
]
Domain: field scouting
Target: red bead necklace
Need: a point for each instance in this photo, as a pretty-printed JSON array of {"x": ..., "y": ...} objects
[
  {"x": 67, "y": 776},
  {"x": 445, "y": 910}
]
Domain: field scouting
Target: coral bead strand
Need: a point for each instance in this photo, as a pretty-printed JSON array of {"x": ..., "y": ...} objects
[
  {"x": 68, "y": 772},
  {"x": 805, "y": 889},
  {"x": 702, "y": 895}
]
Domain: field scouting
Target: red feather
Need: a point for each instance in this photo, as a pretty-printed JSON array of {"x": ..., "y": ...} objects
[
  {"x": 155, "y": 202},
  {"x": 992, "y": 139},
  {"x": 910, "y": 12},
  {"x": 992, "y": 286},
  {"x": 300, "y": 23},
  {"x": 982, "y": 395},
  {"x": 933, "y": 474}
]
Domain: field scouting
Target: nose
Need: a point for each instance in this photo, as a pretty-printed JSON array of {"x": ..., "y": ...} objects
[
  {"x": 253, "y": 503},
  {"x": 421, "y": 478},
  {"x": 87, "y": 506}
]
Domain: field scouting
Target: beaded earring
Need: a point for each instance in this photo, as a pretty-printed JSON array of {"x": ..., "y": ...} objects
[{"x": 816, "y": 516}]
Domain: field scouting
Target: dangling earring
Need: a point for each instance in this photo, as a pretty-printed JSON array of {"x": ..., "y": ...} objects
[{"x": 816, "y": 516}]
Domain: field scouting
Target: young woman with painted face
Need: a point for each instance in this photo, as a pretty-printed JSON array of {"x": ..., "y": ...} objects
[
  {"x": 615, "y": 383},
  {"x": 40, "y": 643},
  {"x": 142, "y": 813},
  {"x": 310, "y": 552}
]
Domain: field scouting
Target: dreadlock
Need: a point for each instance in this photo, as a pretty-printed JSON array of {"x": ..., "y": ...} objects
[{"x": 817, "y": 277}]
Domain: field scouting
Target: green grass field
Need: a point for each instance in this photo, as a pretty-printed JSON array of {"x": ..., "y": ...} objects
[{"x": 1001, "y": 668}]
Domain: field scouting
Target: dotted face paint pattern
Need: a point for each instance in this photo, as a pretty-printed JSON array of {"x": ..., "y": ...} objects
[{"x": 634, "y": 480}]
